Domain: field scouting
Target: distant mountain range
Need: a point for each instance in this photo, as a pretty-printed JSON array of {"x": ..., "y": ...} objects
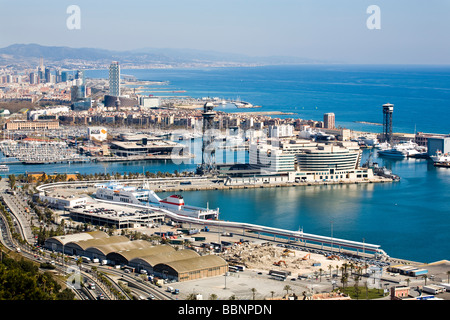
[{"x": 29, "y": 54}]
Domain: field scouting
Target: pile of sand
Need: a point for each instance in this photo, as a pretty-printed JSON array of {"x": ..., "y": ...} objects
[{"x": 268, "y": 257}]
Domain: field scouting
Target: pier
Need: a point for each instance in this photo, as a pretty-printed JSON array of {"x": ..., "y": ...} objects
[{"x": 246, "y": 229}]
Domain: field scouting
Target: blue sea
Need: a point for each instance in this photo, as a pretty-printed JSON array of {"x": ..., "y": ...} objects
[{"x": 410, "y": 219}]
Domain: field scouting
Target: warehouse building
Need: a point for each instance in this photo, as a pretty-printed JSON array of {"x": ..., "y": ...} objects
[
  {"x": 125, "y": 256},
  {"x": 148, "y": 262},
  {"x": 161, "y": 260},
  {"x": 193, "y": 268},
  {"x": 101, "y": 251},
  {"x": 80, "y": 248},
  {"x": 59, "y": 242}
]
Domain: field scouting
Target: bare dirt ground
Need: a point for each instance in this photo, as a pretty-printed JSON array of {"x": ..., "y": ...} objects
[{"x": 261, "y": 257}]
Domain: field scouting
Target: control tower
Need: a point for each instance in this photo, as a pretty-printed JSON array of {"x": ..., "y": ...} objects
[
  {"x": 388, "y": 109},
  {"x": 208, "y": 150}
]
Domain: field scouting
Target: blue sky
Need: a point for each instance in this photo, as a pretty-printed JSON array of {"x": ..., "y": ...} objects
[{"x": 332, "y": 30}]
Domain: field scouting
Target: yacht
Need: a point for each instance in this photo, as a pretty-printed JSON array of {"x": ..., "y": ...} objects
[
  {"x": 382, "y": 146},
  {"x": 4, "y": 167},
  {"x": 401, "y": 150},
  {"x": 440, "y": 157}
]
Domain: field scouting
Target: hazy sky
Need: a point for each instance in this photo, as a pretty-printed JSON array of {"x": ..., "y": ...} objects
[{"x": 414, "y": 31}]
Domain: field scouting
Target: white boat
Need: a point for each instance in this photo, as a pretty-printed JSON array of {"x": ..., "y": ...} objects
[
  {"x": 440, "y": 157},
  {"x": 393, "y": 153},
  {"x": 4, "y": 167},
  {"x": 401, "y": 150},
  {"x": 383, "y": 146},
  {"x": 117, "y": 192}
]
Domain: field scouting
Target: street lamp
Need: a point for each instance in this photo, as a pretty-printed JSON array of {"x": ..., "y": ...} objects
[{"x": 331, "y": 236}]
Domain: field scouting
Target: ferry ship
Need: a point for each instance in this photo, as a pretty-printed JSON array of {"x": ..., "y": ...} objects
[{"x": 120, "y": 193}]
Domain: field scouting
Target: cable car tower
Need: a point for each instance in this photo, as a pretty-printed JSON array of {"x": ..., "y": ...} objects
[
  {"x": 388, "y": 109},
  {"x": 208, "y": 149}
]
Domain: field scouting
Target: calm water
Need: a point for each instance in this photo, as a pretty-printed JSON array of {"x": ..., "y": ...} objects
[
  {"x": 410, "y": 219},
  {"x": 421, "y": 95}
]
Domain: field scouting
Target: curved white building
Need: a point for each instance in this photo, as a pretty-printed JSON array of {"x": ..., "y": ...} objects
[{"x": 326, "y": 157}]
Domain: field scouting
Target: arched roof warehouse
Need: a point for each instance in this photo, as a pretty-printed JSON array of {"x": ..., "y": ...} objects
[
  {"x": 124, "y": 256},
  {"x": 193, "y": 268},
  {"x": 80, "y": 247},
  {"x": 148, "y": 262},
  {"x": 56, "y": 243}
]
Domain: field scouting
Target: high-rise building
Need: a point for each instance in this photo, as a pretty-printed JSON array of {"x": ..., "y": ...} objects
[
  {"x": 48, "y": 75},
  {"x": 114, "y": 79},
  {"x": 80, "y": 75},
  {"x": 58, "y": 76},
  {"x": 328, "y": 120},
  {"x": 33, "y": 78},
  {"x": 64, "y": 76}
]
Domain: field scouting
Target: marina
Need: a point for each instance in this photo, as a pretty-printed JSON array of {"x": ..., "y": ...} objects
[{"x": 34, "y": 152}]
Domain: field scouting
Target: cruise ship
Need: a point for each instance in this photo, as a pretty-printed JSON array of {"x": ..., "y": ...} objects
[{"x": 120, "y": 193}]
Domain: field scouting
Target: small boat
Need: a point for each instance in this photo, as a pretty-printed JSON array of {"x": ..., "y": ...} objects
[{"x": 440, "y": 157}]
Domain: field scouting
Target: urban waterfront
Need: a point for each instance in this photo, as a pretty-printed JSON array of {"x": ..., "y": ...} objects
[{"x": 409, "y": 218}]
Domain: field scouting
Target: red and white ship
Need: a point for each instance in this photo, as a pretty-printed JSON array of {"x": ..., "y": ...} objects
[{"x": 116, "y": 192}]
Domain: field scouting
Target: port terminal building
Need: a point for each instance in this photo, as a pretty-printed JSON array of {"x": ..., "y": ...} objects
[
  {"x": 147, "y": 147},
  {"x": 299, "y": 161},
  {"x": 163, "y": 261}
]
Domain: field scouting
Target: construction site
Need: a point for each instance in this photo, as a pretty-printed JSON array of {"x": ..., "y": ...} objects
[{"x": 269, "y": 258}]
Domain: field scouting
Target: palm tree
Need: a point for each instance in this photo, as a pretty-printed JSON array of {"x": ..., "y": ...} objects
[
  {"x": 356, "y": 278},
  {"x": 425, "y": 277},
  {"x": 213, "y": 296},
  {"x": 330, "y": 267},
  {"x": 287, "y": 288},
  {"x": 253, "y": 292},
  {"x": 407, "y": 281},
  {"x": 344, "y": 280}
]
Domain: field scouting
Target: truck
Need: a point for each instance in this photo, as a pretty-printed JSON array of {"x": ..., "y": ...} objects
[
  {"x": 169, "y": 289},
  {"x": 434, "y": 289}
]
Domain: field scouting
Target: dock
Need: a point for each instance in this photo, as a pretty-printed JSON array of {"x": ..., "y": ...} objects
[
  {"x": 175, "y": 187},
  {"x": 442, "y": 164}
]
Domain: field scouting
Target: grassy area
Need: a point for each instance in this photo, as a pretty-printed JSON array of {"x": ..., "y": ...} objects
[{"x": 362, "y": 294}]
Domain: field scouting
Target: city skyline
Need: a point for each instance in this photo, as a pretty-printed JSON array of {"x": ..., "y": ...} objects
[{"x": 336, "y": 32}]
